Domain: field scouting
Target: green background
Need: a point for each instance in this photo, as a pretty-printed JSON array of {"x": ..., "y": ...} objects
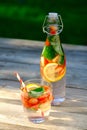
[{"x": 23, "y": 19}]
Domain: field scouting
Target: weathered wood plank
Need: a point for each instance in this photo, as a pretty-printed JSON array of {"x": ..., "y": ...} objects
[
  {"x": 7, "y": 126},
  {"x": 10, "y": 43}
]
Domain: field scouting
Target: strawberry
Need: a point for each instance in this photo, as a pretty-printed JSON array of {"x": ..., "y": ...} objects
[
  {"x": 35, "y": 107},
  {"x": 33, "y": 101},
  {"x": 53, "y": 30},
  {"x": 47, "y": 43}
]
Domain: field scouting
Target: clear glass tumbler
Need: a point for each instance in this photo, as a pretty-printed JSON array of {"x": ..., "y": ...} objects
[{"x": 36, "y": 98}]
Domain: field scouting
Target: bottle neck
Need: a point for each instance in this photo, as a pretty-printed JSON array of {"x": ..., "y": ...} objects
[
  {"x": 53, "y": 40},
  {"x": 53, "y": 35}
]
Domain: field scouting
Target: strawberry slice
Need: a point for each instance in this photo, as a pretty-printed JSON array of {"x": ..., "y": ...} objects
[
  {"x": 47, "y": 43},
  {"x": 33, "y": 101},
  {"x": 35, "y": 107},
  {"x": 53, "y": 30}
]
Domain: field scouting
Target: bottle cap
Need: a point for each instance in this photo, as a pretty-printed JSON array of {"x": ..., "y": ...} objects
[{"x": 51, "y": 14}]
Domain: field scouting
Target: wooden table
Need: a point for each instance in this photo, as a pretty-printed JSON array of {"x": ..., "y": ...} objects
[{"x": 23, "y": 56}]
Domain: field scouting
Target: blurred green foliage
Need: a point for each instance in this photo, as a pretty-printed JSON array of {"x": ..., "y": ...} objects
[{"x": 24, "y": 18}]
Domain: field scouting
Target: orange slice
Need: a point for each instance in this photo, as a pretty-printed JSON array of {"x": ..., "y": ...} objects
[
  {"x": 51, "y": 73},
  {"x": 55, "y": 60}
]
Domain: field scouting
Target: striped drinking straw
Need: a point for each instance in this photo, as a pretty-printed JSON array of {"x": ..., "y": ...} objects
[
  {"x": 23, "y": 85},
  {"x": 20, "y": 80}
]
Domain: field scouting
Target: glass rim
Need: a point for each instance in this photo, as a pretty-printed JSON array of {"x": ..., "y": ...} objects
[{"x": 36, "y": 79}]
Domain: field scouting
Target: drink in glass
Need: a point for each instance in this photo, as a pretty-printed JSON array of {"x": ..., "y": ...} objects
[{"x": 36, "y": 98}]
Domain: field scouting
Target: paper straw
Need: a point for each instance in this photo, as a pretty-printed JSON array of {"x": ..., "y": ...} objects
[
  {"x": 41, "y": 112},
  {"x": 19, "y": 79}
]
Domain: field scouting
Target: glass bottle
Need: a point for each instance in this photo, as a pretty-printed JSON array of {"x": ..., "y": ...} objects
[{"x": 53, "y": 60}]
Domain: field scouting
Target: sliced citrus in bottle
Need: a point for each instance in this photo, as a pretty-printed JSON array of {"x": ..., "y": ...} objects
[
  {"x": 53, "y": 73},
  {"x": 55, "y": 59},
  {"x": 44, "y": 61}
]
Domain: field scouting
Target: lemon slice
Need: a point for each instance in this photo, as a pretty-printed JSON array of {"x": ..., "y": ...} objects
[
  {"x": 51, "y": 73},
  {"x": 31, "y": 87},
  {"x": 45, "y": 106}
]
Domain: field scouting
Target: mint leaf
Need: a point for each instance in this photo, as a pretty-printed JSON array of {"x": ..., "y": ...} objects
[
  {"x": 36, "y": 92},
  {"x": 55, "y": 42},
  {"x": 49, "y": 52}
]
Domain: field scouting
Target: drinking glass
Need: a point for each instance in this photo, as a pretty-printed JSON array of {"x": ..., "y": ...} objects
[{"x": 36, "y": 98}]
